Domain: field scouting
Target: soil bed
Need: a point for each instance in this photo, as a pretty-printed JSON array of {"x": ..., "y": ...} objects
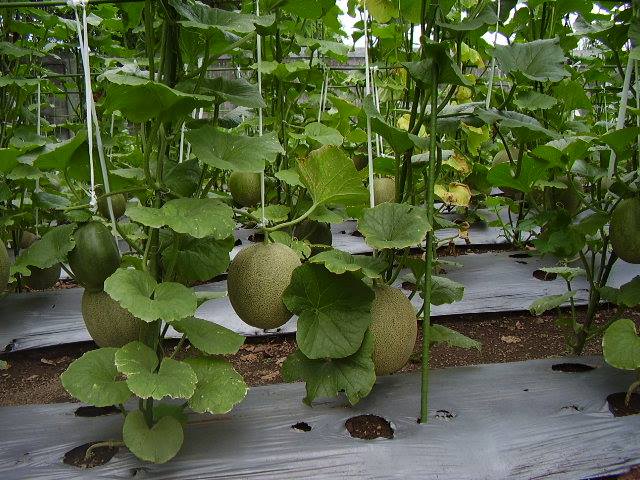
[{"x": 33, "y": 375}]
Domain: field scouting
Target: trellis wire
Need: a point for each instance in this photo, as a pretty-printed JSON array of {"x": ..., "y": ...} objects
[{"x": 493, "y": 61}]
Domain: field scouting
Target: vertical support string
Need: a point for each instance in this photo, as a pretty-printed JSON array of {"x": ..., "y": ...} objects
[
  {"x": 38, "y": 132},
  {"x": 367, "y": 90},
  {"x": 259, "y": 61},
  {"x": 493, "y": 61}
]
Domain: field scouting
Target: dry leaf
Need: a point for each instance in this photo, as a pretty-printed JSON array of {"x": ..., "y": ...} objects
[{"x": 510, "y": 339}]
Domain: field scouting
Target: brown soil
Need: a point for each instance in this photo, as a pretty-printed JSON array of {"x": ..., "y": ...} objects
[
  {"x": 368, "y": 427},
  {"x": 618, "y": 404},
  {"x": 33, "y": 375}
]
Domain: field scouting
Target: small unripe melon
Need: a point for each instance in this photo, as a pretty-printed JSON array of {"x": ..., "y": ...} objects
[
  {"x": 27, "y": 239},
  {"x": 566, "y": 198},
  {"x": 624, "y": 230},
  {"x": 258, "y": 276},
  {"x": 109, "y": 324},
  {"x": 245, "y": 188},
  {"x": 394, "y": 328},
  {"x": 95, "y": 256},
  {"x": 43, "y": 278},
  {"x": 4, "y": 267},
  {"x": 118, "y": 203},
  {"x": 384, "y": 190}
]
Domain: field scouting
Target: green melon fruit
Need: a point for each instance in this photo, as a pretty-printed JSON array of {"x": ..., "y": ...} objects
[
  {"x": 245, "y": 188},
  {"x": 394, "y": 328},
  {"x": 566, "y": 198},
  {"x": 314, "y": 232},
  {"x": 27, "y": 239},
  {"x": 4, "y": 267},
  {"x": 503, "y": 157},
  {"x": 258, "y": 276},
  {"x": 95, "y": 256},
  {"x": 384, "y": 190},
  {"x": 43, "y": 278},
  {"x": 109, "y": 324},
  {"x": 118, "y": 202},
  {"x": 624, "y": 230}
]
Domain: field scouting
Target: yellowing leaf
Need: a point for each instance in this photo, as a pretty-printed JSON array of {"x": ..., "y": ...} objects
[
  {"x": 476, "y": 136},
  {"x": 454, "y": 194},
  {"x": 403, "y": 123},
  {"x": 458, "y": 162}
]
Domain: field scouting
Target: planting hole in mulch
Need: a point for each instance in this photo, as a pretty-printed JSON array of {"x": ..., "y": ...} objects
[
  {"x": 237, "y": 243},
  {"x": 444, "y": 414},
  {"x": 99, "y": 456},
  {"x": 369, "y": 427},
  {"x": 544, "y": 276},
  {"x": 91, "y": 411},
  {"x": 572, "y": 367},
  {"x": 619, "y": 408},
  {"x": 302, "y": 427},
  {"x": 522, "y": 262},
  {"x": 356, "y": 233},
  {"x": 520, "y": 255},
  {"x": 256, "y": 237}
]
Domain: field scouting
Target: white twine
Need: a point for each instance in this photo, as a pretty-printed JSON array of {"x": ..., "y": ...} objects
[
  {"x": 493, "y": 62},
  {"x": 367, "y": 89},
  {"x": 259, "y": 58},
  {"x": 376, "y": 99},
  {"x": 38, "y": 132},
  {"x": 622, "y": 111},
  {"x": 323, "y": 93},
  {"x": 92, "y": 117}
]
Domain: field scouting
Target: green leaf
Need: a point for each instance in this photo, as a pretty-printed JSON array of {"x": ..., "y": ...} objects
[
  {"x": 444, "y": 290},
  {"x": 333, "y": 311},
  {"x": 56, "y": 156},
  {"x": 541, "y": 305},
  {"x": 140, "y": 99},
  {"x": 523, "y": 126},
  {"x": 323, "y": 134},
  {"x": 219, "y": 386},
  {"x": 274, "y": 213},
  {"x": 540, "y": 60},
  {"x": 393, "y": 225},
  {"x": 621, "y": 345},
  {"x": 283, "y": 70},
  {"x": 148, "y": 300},
  {"x": 337, "y": 261},
  {"x": 157, "y": 444},
  {"x": 331, "y": 177},
  {"x": 355, "y": 374},
  {"x": 52, "y": 248},
  {"x": 531, "y": 171},
  {"x": 50, "y": 201},
  {"x": 92, "y": 379},
  {"x": 627, "y": 295},
  {"x": 485, "y": 17},
  {"x": 233, "y": 90},
  {"x": 228, "y": 151},
  {"x": 398, "y": 139},
  {"x": 138, "y": 362},
  {"x": 442, "y": 334},
  {"x": 209, "y": 337},
  {"x": 198, "y": 217},
  {"x": 289, "y": 176},
  {"x": 533, "y": 100},
  {"x": 437, "y": 60},
  {"x": 201, "y": 16},
  {"x": 198, "y": 259},
  {"x": 568, "y": 273},
  {"x": 336, "y": 50}
]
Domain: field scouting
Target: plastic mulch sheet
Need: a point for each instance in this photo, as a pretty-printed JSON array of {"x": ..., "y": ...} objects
[
  {"x": 501, "y": 421},
  {"x": 494, "y": 282}
]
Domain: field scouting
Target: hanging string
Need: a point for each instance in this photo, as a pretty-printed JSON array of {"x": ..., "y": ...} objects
[
  {"x": 622, "y": 110},
  {"x": 259, "y": 55},
  {"x": 376, "y": 99},
  {"x": 323, "y": 93},
  {"x": 38, "y": 132},
  {"x": 92, "y": 117},
  {"x": 493, "y": 61},
  {"x": 367, "y": 90}
]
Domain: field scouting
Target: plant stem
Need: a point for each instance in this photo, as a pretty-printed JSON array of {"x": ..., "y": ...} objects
[
  {"x": 426, "y": 289},
  {"x": 107, "y": 443}
]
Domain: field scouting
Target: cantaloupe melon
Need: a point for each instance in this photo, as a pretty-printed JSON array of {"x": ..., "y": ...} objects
[
  {"x": 245, "y": 188},
  {"x": 624, "y": 230},
  {"x": 394, "y": 328},
  {"x": 384, "y": 190},
  {"x": 95, "y": 256},
  {"x": 258, "y": 276},
  {"x": 118, "y": 202}
]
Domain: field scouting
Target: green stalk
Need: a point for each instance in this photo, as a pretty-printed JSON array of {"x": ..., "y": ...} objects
[{"x": 426, "y": 306}]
